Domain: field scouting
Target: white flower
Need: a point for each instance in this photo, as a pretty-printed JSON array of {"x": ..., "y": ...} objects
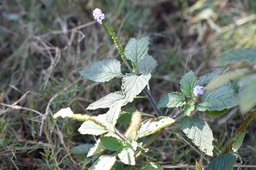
[
  {"x": 198, "y": 90},
  {"x": 98, "y": 15},
  {"x": 65, "y": 112}
]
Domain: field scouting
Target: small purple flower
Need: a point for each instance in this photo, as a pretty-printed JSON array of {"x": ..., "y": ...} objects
[
  {"x": 198, "y": 90},
  {"x": 98, "y": 15}
]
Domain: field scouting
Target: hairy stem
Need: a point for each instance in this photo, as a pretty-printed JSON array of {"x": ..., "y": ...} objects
[
  {"x": 116, "y": 41},
  {"x": 121, "y": 52}
]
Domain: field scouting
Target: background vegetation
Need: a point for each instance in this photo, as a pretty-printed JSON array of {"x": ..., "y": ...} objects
[{"x": 43, "y": 45}]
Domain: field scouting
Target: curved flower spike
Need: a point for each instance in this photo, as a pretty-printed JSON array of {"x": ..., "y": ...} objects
[
  {"x": 198, "y": 90},
  {"x": 98, "y": 15}
]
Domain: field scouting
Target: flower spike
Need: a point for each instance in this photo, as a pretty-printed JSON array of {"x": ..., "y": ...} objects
[{"x": 98, "y": 15}]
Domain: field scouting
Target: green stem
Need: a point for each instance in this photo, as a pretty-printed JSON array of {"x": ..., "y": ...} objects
[
  {"x": 121, "y": 52},
  {"x": 117, "y": 43}
]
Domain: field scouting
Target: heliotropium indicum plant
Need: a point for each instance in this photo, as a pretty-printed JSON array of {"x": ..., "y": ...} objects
[{"x": 193, "y": 98}]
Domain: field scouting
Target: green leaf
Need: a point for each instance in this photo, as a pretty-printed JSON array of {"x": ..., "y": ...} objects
[
  {"x": 136, "y": 50},
  {"x": 92, "y": 127},
  {"x": 199, "y": 132},
  {"x": 118, "y": 166},
  {"x": 171, "y": 100},
  {"x": 147, "y": 65},
  {"x": 238, "y": 55},
  {"x": 187, "y": 84},
  {"x": 132, "y": 85},
  {"x": 223, "y": 97},
  {"x": 227, "y": 77},
  {"x": 238, "y": 141},
  {"x": 96, "y": 149},
  {"x": 152, "y": 166},
  {"x": 247, "y": 99},
  {"x": 150, "y": 126},
  {"x": 113, "y": 114},
  {"x": 188, "y": 108},
  {"x": 127, "y": 155},
  {"x": 107, "y": 101},
  {"x": 103, "y": 162},
  {"x": 81, "y": 149},
  {"x": 102, "y": 71},
  {"x": 205, "y": 79},
  {"x": 216, "y": 114},
  {"x": 225, "y": 162},
  {"x": 111, "y": 143}
]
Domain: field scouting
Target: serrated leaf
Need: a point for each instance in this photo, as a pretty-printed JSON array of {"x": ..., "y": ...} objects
[
  {"x": 132, "y": 85},
  {"x": 239, "y": 55},
  {"x": 225, "y": 162},
  {"x": 199, "y": 132},
  {"x": 147, "y": 65},
  {"x": 247, "y": 99},
  {"x": 136, "y": 50},
  {"x": 111, "y": 143},
  {"x": 107, "y": 101},
  {"x": 103, "y": 162},
  {"x": 206, "y": 78},
  {"x": 152, "y": 166},
  {"x": 92, "y": 127},
  {"x": 103, "y": 70},
  {"x": 187, "y": 84},
  {"x": 189, "y": 108},
  {"x": 151, "y": 126},
  {"x": 238, "y": 141},
  {"x": 96, "y": 149},
  {"x": 81, "y": 149},
  {"x": 127, "y": 156},
  {"x": 223, "y": 97},
  {"x": 225, "y": 78},
  {"x": 113, "y": 114},
  {"x": 171, "y": 100}
]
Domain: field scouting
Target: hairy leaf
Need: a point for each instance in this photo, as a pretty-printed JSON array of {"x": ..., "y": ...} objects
[
  {"x": 188, "y": 108},
  {"x": 227, "y": 77},
  {"x": 111, "y": 143},
  {"x": 223, "y": 97},
  {"x": 136, "y": 50},
  {"x": 205, "y": 79},
  {"x": 216, "y": 113},
  {"x": 113, "y": 114},
  {"x": 92, "y": 127},
  {"x": 107, "y": 101},
  {"x": 103, "y": 70},
  {"x": 150, "y": 126},
  {"x": 127, "y": 155},
  {"x": 238, "y": 140},
  {"x": 103, "y": 162},
  {"x": 147, "y": 65},
  {"x": 187, "y": 84},
  {"x": 81, "y": 149},
  {"x": 132, "y": 85},
  {"x": 247, "y": 99},
  {"x": 199, "y": 132},
  {"x": 171, "y": 100},
  {"x": 96, "y": 149},
  {"x": 238, "y": 55},
  {"x": 225, "y": 161}
]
